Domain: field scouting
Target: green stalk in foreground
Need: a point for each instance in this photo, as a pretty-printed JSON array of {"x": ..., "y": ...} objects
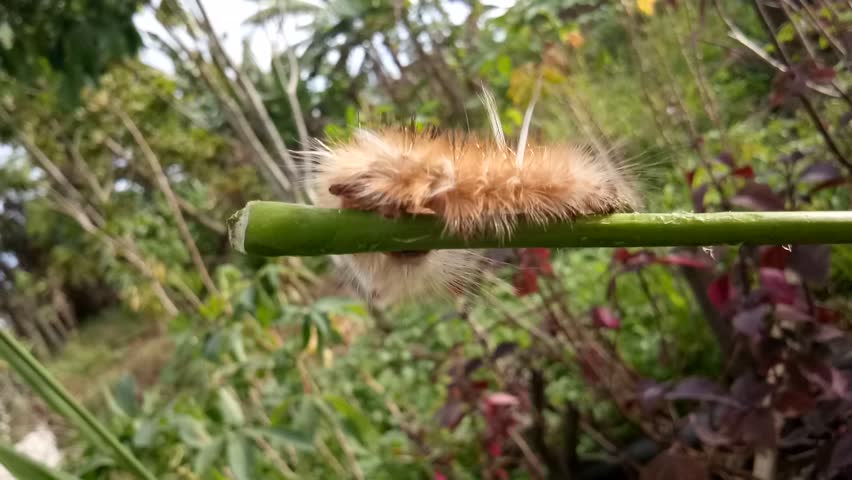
[
  {"x": 23, "y": 467},
  {"x": 43, "y": 384},
  {"x": 276, "y": 229}
]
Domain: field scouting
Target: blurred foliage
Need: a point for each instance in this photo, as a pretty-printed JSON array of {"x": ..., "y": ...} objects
[
  {"x": 278, "y": 372},
  {"x": 77, "y": 39}
]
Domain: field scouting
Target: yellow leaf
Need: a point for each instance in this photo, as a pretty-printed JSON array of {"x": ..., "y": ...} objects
[
  {"x": 552, "y": 75},
  {"x": 574, "y": 38},
  {"x": 521, "y": 84},
  {"x": 646, "y": 6}
]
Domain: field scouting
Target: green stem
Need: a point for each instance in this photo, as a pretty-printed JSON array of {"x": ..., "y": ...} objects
[
  {"x": 42, "y": 383},
  {"x": 276, "y": 229}
]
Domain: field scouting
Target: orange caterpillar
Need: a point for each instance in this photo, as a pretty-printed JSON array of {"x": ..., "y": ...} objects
[{"x": 472, "y": 184}]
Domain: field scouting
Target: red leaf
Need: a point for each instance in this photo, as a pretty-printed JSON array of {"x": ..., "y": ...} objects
[
  {"x": 591, "y": 362},
  {"x": 826, "y": 315},
  {"x": 792, "y": 403},
  {"x": 606, "y": 318},
  {"x": 744, "y": 172},
  {"x": 537, "y": 258},
  {"x": 675, "y": 466},
  {"x": 622, "y": 255},
  {"x": 774, "y": 281},
  {"x": 525, "y": 282},
  {"x": 758, "y": 428},
  {"x": 494, "y": 448},
  {"x": 690, "y": 176},
  {"x": 774, "y": 257},
  {"x": 758, "y": 196},
  {"x": 821, "y": 74},
  {"x": 721, "y": 292}
]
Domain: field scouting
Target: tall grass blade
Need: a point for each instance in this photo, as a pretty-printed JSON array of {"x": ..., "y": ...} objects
[{"x": 43, "y": 384}]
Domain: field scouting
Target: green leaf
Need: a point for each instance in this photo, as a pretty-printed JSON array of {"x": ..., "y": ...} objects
[
  {"x": 240, "y": 457},
  {"x": 358, "y": 423},
  {"x": 7, "y": 36},
  {"x": 125, "y": 395},
  {"x": 230, "y": 408},
  {"x": 283, "y": 437},
  {"x": 191, "y": 431},
  {"x": 145, "y": 434},
  {"x": 23, "y": 467},
  {"x": 237, "y": 346},
  {"x": 306, "y": 331},
  {"x": 786, "y": 33},
  {"x": 504, "y": 65},
  {"x": 208, "y": 455}
]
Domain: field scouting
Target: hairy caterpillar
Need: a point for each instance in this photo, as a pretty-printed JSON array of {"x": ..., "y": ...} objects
[{"x": 473, "y": 184}]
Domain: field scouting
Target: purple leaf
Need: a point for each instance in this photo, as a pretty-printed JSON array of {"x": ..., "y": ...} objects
[
  {"x": 789, "y": 313},
  {"x": 758, "y": 196},
  {"x": 841, "y": 455},
  {"x": 811, "y": 262},
  {"x": 726, "y": 158},
  {"x": 820, "y": 172},
  {"x": 827, "y": 333},
  {"x": 651, "y": 395},
  {"x": 701, "y": 389},
  {"x": 451, "y": 414},
  {"x": 750, "y": 322},
  {"x": 698, "y": 198},
  {"x": 816, "y": 372},
  {"x": 707, "y": 435},
  {"x": 793, "y": 158},
  {"x": 472, "y": 365},
  {"x": 606, "y": 318},
  {"x": 749, "y": 390},
  {"x": 503, "y": 349}
]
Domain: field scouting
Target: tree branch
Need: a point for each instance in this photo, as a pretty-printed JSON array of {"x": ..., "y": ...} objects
[
  {"x": 171, "y": 199},
  {"x": 276, "y": 229}
]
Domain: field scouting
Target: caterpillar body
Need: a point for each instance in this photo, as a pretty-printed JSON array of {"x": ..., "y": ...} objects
[{"x": 472, "y": 184}]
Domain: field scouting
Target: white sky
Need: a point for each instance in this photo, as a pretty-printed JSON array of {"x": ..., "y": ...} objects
[{"x": 227, "y": 17}]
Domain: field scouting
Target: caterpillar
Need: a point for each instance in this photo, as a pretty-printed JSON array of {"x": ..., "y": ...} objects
[{"x": 473, "y": 184}]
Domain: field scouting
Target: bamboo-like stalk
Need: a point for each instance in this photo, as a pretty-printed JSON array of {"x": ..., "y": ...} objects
[{"x": 279, "y": 229}]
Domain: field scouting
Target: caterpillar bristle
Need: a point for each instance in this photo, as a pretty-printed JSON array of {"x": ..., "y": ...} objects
[{"x": 472, "y": 184}]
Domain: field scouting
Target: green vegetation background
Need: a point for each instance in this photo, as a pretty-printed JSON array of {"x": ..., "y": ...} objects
[{"x": 117, "y": 178}]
